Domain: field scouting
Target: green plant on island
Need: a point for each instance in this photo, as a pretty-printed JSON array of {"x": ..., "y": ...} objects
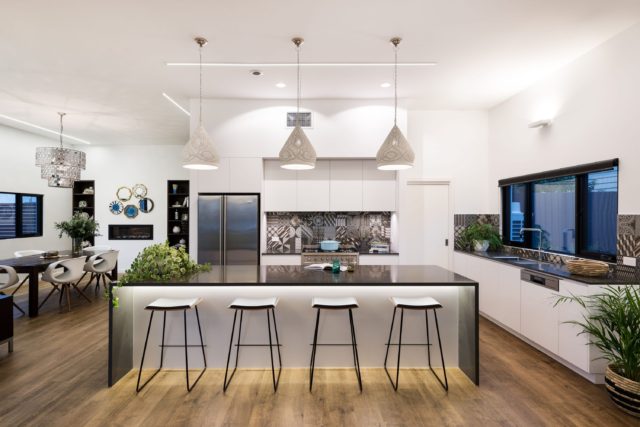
[
  {"x": 159, "y": 263},
  {"x": 80, "y": 226},
  {"x": 613, "y": 326},
  {"x": 480, "y": 232}
]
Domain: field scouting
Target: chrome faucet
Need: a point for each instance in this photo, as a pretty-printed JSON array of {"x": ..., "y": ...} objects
[{"x": 539, "y": 230}]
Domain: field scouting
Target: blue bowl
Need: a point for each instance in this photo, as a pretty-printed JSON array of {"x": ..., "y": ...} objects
[{"x": 329, "y": 245}]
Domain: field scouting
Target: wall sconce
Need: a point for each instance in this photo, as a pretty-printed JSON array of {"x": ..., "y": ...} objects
[{"x": 540, "y": 124}]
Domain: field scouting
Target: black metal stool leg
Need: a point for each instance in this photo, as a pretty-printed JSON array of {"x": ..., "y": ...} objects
[
  {"x": 144, "y": 351},
  {"x": 355, "y": 350},
  {"x": 273, "y": 369},
  {"x": 445, "y": 385},
  {"x": 275, "y": 328},
  {"x": 426, "y": 316},
  {"x": 233, "y": 328},
  {"x": 386, "y": 355},
  {"x": 313, "y": 351}
]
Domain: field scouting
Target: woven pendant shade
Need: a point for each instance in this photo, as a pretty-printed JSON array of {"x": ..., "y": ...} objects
[{"x": 297, "y": 152}]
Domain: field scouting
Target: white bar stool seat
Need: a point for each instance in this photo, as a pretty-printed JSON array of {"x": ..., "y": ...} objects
[
  {"x": 420, "y": 303},
  {"x": 173, "y": 304},
  {"x": 254, "y": 303},
  {"x": 342, "y": 303}
]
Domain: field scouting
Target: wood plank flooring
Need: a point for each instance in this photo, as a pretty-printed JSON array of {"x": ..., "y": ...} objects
[{"x": 57, "y": 377}]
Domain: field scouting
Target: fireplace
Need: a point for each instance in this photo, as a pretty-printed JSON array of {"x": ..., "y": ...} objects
[{"x": 130, "y": 232}]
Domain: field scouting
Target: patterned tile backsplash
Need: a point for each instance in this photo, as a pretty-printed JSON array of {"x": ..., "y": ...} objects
[
  {"x": 287, "y": 232},
  {"x": 462, "y": 221}
]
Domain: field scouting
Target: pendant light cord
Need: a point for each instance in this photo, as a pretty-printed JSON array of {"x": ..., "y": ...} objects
[
  {"x": 61, "y": 127},
  {"x": 395, "y": 85},
  {"x": 200, "y": 114},
  {"x": 299, "y": 88}
]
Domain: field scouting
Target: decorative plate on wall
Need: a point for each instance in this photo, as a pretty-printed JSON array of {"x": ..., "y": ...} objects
[
  {"x": 116, "y": 207},
  {"x": 131, "y": 211},
  {"x": 124, "y": 194},
  {"x": 146, "y": 205},
  {"x": 140, "y": 191}
]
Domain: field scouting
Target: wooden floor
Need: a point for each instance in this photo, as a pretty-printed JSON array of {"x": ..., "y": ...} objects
[{"x": 58, "y": 371}]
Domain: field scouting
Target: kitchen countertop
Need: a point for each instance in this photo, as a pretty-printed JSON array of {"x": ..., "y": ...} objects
[
  {"x": 615, "y": 276},
  {"x": 299, "y": 253},
  {"x": 295, "y": 275}
]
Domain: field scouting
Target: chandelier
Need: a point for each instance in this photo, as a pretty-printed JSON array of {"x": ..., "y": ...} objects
[{"x": 60, "y": 166}]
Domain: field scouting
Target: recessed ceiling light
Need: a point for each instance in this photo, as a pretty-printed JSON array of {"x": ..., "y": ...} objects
[
  {"x": 280, "y": 85},
  {"x": 53, "y": 132},
  {"x": 180, "y": 107},
  {"x": 256, "y": 73},
  {"x": 385, "y": 85}
]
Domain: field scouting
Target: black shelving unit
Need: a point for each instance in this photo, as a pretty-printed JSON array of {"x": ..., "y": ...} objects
[
  {"x": 79, "y": 195},
  {"x": 178, "y": 212}
]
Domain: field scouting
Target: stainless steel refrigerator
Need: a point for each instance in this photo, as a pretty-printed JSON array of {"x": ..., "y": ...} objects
[{"x": 228, "y": 229}]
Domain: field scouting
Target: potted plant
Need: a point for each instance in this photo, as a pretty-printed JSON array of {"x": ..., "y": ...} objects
[
  {"x": 81, "y": 226},
  {"x": 159, "y": 263},
  {"x": 481, "y": 237},
  {"x": 613, "y": 325}
]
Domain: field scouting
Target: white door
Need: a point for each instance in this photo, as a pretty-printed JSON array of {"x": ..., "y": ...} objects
[{"x": 429, "y": 210}]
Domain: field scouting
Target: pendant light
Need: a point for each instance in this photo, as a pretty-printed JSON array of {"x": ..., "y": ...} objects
[
  {"x": 200, "y": 153},
  {"x": 395, "y": 152},
  {"x": 297, "y": 152},
  {"x": 60, "y": 166}
]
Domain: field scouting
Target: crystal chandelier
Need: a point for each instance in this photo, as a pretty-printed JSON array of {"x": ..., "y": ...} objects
[
  {"x": 200, "y": 153},
  {"x": 395, "y": 153},
  {"x": 297, "y": 152},
  {"x": 60, "y": 166}
]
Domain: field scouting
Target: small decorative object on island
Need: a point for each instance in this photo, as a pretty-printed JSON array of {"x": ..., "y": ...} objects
[
  {"x": 613, "y": 325},
  {"x": 481, "y": 237},
  {"x": 78, "y": 228},
  {"x": 159, "y": 263}
]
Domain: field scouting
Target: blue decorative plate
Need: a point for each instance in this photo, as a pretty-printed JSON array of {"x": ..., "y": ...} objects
[
  {"x": 116, "y": 207},
  {"x": 131, "y": 211}
]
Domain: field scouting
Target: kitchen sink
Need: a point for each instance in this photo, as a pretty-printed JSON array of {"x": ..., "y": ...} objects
[{"x": 516, "y": 260}]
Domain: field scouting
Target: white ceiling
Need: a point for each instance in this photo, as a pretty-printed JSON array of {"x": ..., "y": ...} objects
[{"x": 103, "y": 62}]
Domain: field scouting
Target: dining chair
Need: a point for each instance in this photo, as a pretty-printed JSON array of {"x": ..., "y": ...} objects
[
  {"x": 23, "y": 278},
  {"x": 63, "y": 282},
  {"x": 99, "y": 265},
  {"x": 12, "y": 280}
]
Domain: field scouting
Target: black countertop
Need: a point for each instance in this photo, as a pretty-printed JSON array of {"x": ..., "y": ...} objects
[
  {"x": 295, "y": 275},
  {"x": 616, "y": 276},
  {"x": 359, "y": 253}
]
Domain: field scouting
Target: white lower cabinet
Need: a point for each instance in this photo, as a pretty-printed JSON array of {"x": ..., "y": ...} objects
[
  {"x": 507, "y": 297},
  {"x": 378, "y": 259},
  {"x": 280, "y": 260},
  {"x": 539, "y": 317}
]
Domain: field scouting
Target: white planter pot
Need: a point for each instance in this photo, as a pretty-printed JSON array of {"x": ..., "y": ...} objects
[{"x": 481, "y": 245}]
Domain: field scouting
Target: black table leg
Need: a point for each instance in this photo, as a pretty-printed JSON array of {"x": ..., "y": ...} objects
[{"x": 33, "y": 293}]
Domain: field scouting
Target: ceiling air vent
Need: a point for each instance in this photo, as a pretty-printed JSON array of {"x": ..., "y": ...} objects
[{"x": 303, "y": 118}]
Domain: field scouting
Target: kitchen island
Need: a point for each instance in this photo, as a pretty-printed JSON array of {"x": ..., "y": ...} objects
[{"x": 372, "y": 286}]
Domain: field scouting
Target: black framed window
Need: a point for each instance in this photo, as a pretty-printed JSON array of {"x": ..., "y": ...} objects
[
  {"x": 20, "y": 215},
  {"x": 576, "y": 209}
]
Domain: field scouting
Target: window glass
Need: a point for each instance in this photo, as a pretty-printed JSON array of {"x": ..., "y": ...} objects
[
  {"x": 601, "y": 212},
  {"x": 553, "y": 211},
  {"x": 7, "y": 215},
  {"x": 30, "y": 219},
  {"x": 518, "y": 207}
]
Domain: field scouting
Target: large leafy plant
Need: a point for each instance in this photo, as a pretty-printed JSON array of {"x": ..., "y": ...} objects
[
  {"x": 80, "y": 226},
  {"x": 478, "y": 232},
  {"x": 613, "y": 324},
  {"x": 160, "y": 263}
]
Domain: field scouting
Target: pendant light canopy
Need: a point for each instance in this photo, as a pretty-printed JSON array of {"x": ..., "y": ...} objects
[
  {"x": 395, "y": 152},
  {"x": 200, "y": 152},
  {"x": 297, "y": 152},
  {"x": 60, "y": 166}
]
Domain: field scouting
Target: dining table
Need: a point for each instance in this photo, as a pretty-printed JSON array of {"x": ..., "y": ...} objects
[{"x": 33, "y": 265}]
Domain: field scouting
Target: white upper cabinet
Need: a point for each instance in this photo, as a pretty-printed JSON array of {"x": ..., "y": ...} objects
[
  {"x": 313, "y": 191},
  {"x": 280, "y": 188},
  {"x": 245, "y": 175},
  {"x": 378, "y": 188},
  {"x": 346, "y": 185}
]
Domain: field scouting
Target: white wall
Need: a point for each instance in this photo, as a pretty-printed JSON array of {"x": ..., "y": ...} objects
[
  {"x": 594, "y": 103},
  {"x": 115, "y": 166},
  {"x": 18, "y": 173}
]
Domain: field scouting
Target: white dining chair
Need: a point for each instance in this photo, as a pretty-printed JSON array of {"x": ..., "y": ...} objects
[
  {"x": 24, "y": 277},
  {"x": 63, "y": 282},
  {"x": 98, "y": 248},
  {"x": 11, "y": 280},
  {"x": 99, "y": 265}
]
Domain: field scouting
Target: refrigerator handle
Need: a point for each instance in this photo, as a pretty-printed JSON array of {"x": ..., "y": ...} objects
[{"x": 223, "y": 227}]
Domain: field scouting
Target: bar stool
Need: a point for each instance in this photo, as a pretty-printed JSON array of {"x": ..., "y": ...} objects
[
  {"x": 164, "y": 305},
  {"x": 242, "y": 304},
  {"x": 346, "y": 303},
  {"x": 421, "y": 303}
]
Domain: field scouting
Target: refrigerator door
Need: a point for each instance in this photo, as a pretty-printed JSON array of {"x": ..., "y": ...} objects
[
  {"x": 241, "y": 230},
  {"x": 210, "y": 230}
]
